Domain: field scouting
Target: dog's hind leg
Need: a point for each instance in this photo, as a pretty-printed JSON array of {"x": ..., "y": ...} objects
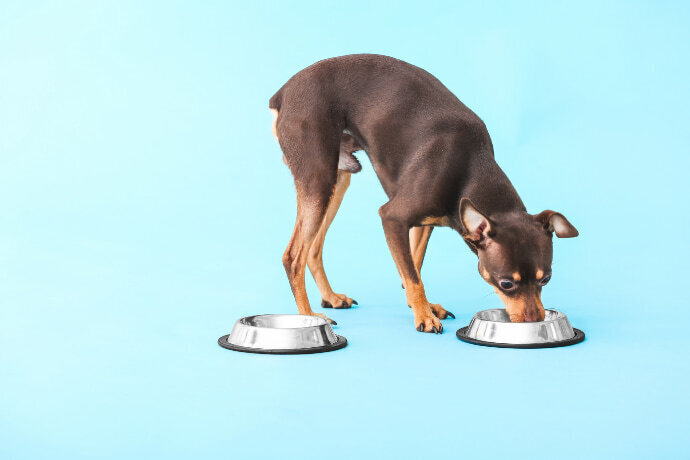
[
  {"x": 311, "y": 211},
  {"x": 329, "y": 299},
  {"x": 311, "y": 149}
]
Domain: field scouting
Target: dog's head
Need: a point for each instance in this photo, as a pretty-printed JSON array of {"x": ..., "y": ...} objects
[{"x": 515, "y": 251}]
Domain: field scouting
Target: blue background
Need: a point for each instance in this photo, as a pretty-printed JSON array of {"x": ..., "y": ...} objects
[{"x": 145, "y": 207}]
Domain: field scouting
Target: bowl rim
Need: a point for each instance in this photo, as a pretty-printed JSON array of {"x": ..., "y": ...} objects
[
  {"x": 559, "y": 315},
  {"x": 321, "y": 321}
]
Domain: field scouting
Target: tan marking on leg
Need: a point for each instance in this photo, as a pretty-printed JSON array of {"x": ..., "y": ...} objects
[
  {"x": 425, "y": 313},
  {"x": 315, "y": 257},
  {"x": 419, "y": 239},
  {"x": 415, "y": 238},
  {"x": 399, "y": 245},
  {"x": 398, "y": 239},
  {"x": 310, "y": 215},
  {"x": 440, "y": 221}
]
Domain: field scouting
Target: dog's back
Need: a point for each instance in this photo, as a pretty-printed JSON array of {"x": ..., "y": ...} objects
[
  {"x": 392, "y": 109},
  {"x": 361, "y": 85}
]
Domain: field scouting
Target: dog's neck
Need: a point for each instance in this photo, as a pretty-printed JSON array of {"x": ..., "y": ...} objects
[{"x": 489, "y": 189}]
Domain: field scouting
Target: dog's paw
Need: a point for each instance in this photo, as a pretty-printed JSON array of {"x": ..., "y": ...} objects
[
  {"x": 321, "y": 315},
  {"x": 337, "y": 301},
  {"x": 428, "y": 323},
  {"x": 440, "y": 312}
]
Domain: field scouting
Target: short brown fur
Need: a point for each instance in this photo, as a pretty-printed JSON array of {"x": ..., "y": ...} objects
[{"x": 435, "y": 161}]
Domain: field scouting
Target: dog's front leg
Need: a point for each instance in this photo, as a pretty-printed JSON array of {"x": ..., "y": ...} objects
[
  {"x": 426, "y": 315},
  {"x": 419, "y": 239}
]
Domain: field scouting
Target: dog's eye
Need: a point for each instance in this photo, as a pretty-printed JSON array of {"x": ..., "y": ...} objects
[
  {"x": 545, "y": 280},
  {"x": 507, "y": 285}
]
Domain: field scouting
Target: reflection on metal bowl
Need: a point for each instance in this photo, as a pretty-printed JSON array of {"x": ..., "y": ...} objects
[
  {"x": 282, "y": 334},
  {"x": 493, "y": 328}
]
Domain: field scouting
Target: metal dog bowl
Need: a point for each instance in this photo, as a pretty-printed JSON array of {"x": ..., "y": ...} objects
[
  {"x": 493, "y": 328},
  {"x": 282, "y": 334}
]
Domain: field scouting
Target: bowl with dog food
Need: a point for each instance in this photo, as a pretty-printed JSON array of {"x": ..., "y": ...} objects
[
  {"x": 283, "y": 335},
  {"x": 492, "y": 328}
]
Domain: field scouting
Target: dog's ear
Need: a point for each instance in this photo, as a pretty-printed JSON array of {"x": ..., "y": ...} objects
[
  {"x": 477, "y": 225},
  {"x": 556, "y": 222}
]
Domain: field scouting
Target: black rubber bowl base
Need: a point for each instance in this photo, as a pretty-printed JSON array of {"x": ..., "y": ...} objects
[
  {"x": 341, "y": 343},
  {"x": 579, "y": 337}
]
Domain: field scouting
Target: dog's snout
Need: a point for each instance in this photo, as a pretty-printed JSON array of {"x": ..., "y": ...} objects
[
  {"x": 532, "y": 316},
  {"x": 524, "y": 308}
]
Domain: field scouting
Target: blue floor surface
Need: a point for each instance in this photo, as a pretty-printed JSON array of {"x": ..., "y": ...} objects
[{"x": 144, "y": 207}]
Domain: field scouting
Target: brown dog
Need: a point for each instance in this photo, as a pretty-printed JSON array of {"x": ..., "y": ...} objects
[{"x": 435, "y": 161}]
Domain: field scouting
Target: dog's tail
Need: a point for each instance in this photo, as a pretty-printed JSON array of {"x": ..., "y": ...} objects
[
  {"x": 277, "y": 99},
  {"x": 274, "y": 105}
]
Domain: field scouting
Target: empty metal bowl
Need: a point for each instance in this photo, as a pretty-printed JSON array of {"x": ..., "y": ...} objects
[
  {"x": 494, "y": 329},
  {"x": 282, "y": 334}
]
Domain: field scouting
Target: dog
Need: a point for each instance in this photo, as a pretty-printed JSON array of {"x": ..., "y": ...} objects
[{"x": 435, "y": 160}]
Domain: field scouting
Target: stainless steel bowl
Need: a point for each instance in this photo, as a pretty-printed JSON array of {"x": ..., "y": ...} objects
[
  {"x": 493, "y": 328},
  {"x": 282, "y": 334}
]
